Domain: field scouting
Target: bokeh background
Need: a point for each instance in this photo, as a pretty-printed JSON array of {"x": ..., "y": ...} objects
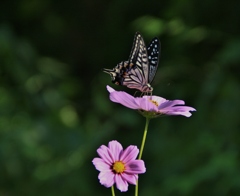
[{"x": 55, "y": 111}]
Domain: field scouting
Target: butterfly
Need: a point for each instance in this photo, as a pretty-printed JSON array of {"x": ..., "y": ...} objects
[{"x": 139, "y": 70}]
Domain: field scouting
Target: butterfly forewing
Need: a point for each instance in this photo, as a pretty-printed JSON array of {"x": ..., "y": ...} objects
[
  {"x": 153, "y": 51},
  {"x": 139, "y": 58},
  {"x": 135, "y": 47}
]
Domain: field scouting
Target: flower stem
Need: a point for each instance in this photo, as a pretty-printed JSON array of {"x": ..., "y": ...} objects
[
  {"x": 112, "y": 189},
  {"x": 144, "y": 138},
  {"x": 142, "y": 147}
]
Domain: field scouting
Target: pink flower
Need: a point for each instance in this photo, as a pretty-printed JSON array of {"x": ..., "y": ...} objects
[
  {"x": 118, "y": 166},
  {"x": 150, "y": 106}
]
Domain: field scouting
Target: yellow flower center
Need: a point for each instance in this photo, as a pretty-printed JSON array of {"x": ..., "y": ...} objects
[
  {"x": 118, "y": 167},
  {"x": 154, "y": 102}
]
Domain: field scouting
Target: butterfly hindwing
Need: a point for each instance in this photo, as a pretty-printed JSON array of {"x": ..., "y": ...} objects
[{"x": 153, "y": 51}]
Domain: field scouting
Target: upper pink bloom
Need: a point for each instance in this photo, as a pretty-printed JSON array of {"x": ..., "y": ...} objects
[
  {"x": 151, "y": 106},
  {"x": 118, "y": 166}
]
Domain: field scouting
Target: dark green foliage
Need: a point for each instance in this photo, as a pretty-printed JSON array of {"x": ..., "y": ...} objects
[{"x": 55, "y": 111}]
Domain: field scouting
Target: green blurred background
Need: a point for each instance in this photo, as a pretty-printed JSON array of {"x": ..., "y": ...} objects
[{"x": 55, "y": 111}]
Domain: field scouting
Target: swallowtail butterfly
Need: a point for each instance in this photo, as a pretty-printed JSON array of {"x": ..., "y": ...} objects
[{"x": 139, "y": 71}]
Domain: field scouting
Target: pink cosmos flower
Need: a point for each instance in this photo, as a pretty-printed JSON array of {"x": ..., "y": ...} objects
[
  {"x": 118, "y": 166},
  {"x": 150, "y": 106}
]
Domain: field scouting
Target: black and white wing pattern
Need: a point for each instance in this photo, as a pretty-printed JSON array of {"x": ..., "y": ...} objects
[
  {"x": 137, "y": 77},
  {"x": 139, "y": 71},
  {"x": 153, "y": 51}
]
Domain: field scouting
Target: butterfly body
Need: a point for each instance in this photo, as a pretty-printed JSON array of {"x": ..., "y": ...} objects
[{"x": 139, "y": 71}]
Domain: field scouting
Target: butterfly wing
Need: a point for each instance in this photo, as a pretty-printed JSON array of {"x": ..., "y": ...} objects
[
  {"x": 153, "y": 51},
  {"x": 138, "y": 57},
  {"x": 135, "y": 47},
  {"x": 134, "y": 73},
  {"x": 121, "y": 72}
]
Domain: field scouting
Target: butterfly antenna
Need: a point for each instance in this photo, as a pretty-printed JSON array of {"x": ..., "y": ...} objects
[{"x": 107, "y": 70}]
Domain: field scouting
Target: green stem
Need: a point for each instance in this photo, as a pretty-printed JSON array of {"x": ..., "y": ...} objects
[
  {"x": 141, "y": 149},
  {"x": 144, "y": 138},
  {"x": 112, "y": 189}
]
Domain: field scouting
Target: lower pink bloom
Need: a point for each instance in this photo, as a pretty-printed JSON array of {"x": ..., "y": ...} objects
[
  {"x": 150, "y": 106},
  {"x": 118, "y": 166}
]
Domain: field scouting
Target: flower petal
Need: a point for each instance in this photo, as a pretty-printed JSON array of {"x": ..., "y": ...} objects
[
  {"x": 110, "y": 89},
  {"x": 101, "y": 165},
  {"x": 129, "y": 154},
  {"x": 178, "y": 110},
  {"x": 131, "y": 178},
  {"x": 135, "y": 167},
  {"x": 169, "y": 103},
  {"x": 104, "y": 152},
  {"x": 122, "y": 98},
  {"x": 106, "y": 178},
  {"x": 174, "y": 108},
  {"x": 115, "y": 148},
  {"x": 121, "y": 184}
]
